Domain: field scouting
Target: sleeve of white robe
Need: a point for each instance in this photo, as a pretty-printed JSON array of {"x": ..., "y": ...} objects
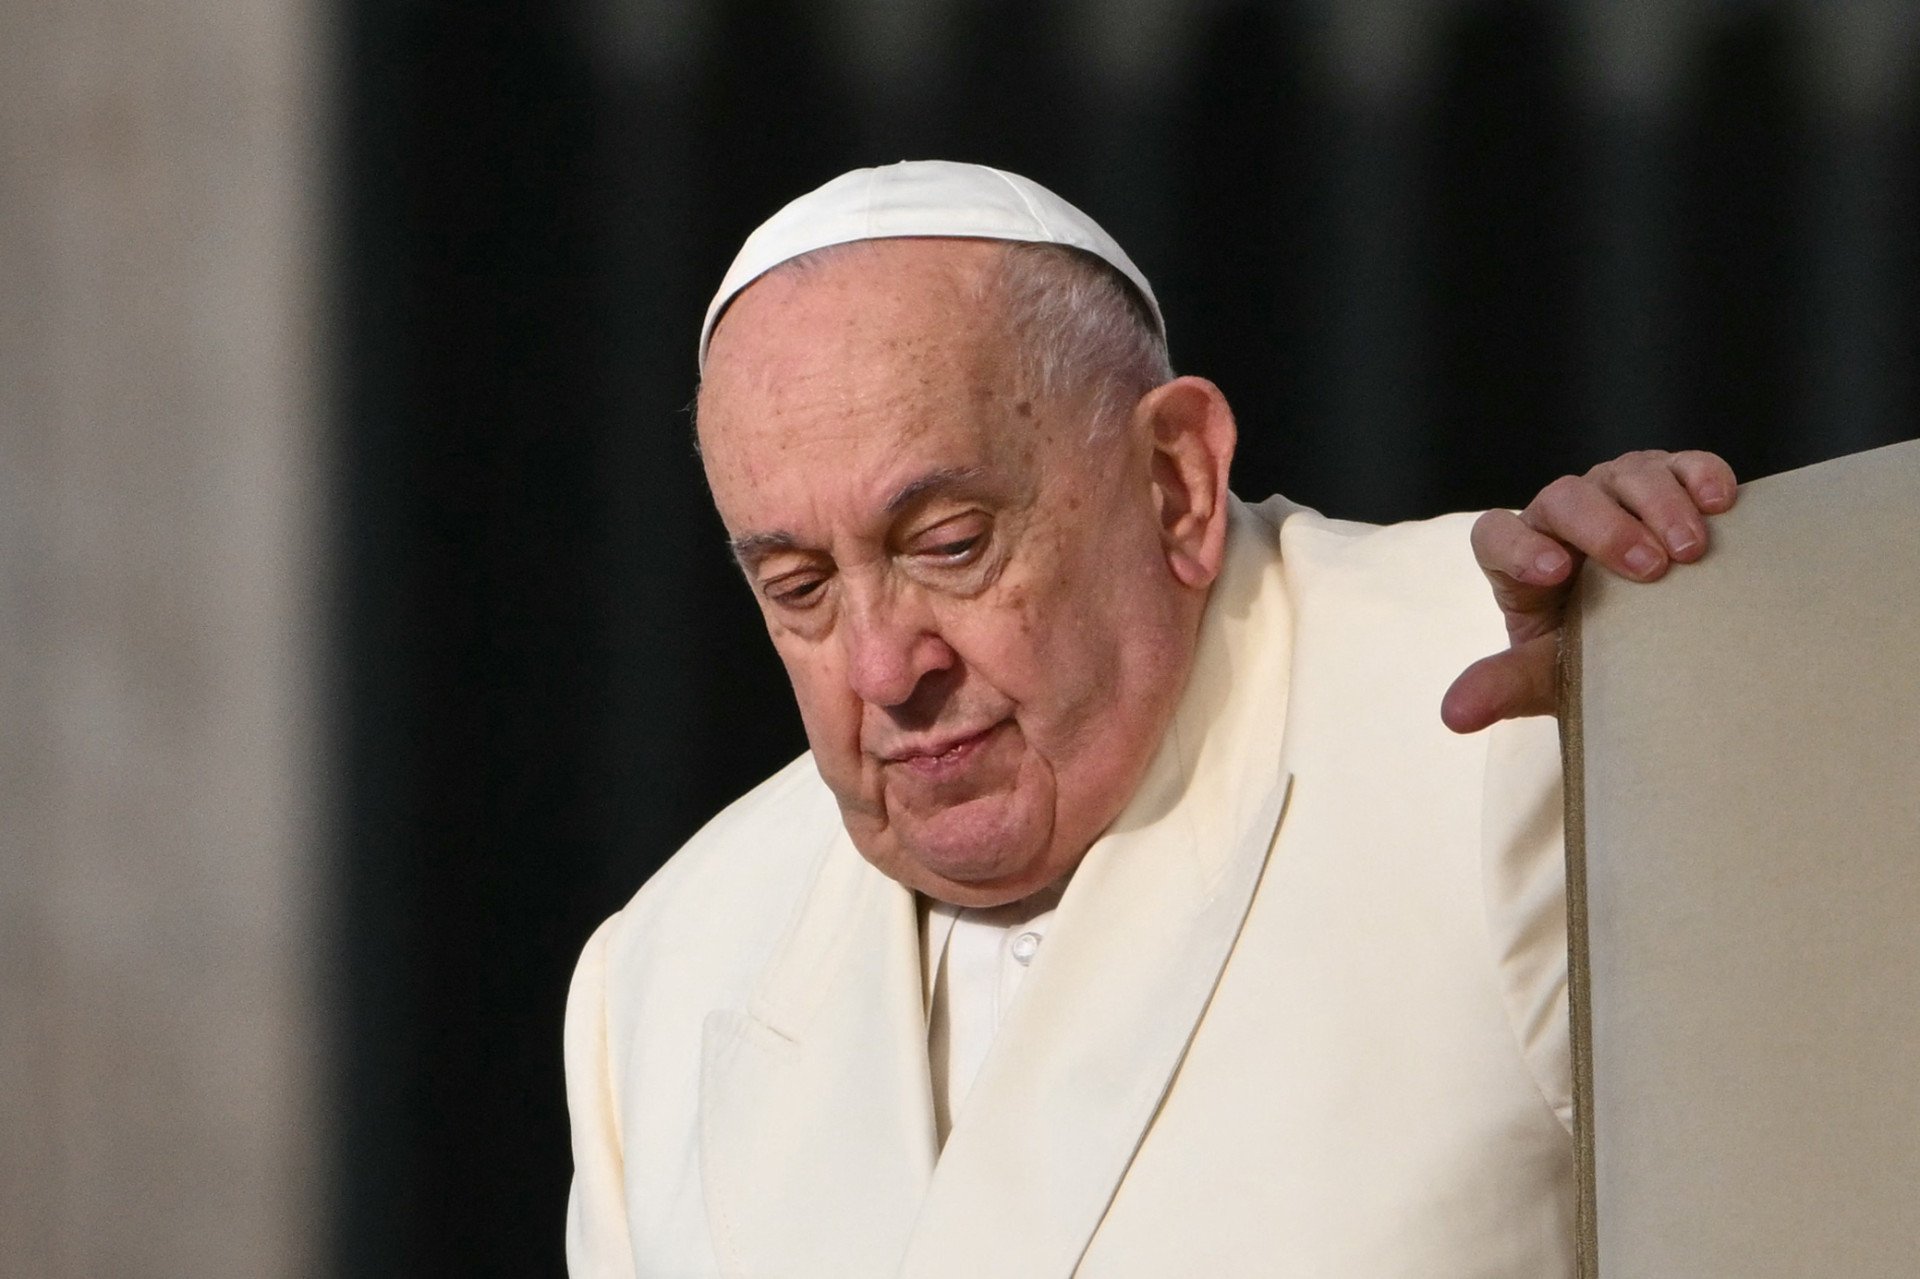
[
  {"x": 598, "y": 1246},
  {"x": 1525, "y": 883}
]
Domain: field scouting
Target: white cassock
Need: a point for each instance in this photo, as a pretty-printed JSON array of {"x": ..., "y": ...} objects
[
  {"x": 973, "y": 964},
  {"x": 1299, "y": 1013}
]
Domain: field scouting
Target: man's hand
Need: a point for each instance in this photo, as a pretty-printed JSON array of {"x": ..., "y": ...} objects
[{"x": 1636, "y": 515}]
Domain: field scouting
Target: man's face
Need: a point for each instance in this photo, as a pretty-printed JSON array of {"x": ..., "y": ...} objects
[{"x": 972, "y": 600}]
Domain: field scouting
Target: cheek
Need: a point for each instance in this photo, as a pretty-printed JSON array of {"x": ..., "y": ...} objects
[
  {"x": 828, "y": 709},
  {"x": 1071, "y": 610},
  {"x": 1089, "y": 642},
  {"x": 1045, "y": 649}
]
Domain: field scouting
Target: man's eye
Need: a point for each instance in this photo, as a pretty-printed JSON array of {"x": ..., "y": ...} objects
[
  {"x": 951, "y": 543},
  {"x": 794, "y": 592},
  {"x": 955, "y": 552}
]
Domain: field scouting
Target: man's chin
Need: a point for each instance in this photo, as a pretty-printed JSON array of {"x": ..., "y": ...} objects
[
  {"x": 974, "y": 858},
  {"x": 981, "y": 893}
]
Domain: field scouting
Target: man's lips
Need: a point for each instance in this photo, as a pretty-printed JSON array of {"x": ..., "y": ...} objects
[{"x": 940, "y": 756}]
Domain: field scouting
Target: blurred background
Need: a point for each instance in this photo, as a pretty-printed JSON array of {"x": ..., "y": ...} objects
[{"x": 365, "y": 636}]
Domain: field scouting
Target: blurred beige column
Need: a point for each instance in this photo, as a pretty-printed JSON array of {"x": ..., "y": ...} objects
[{"x": 159, "y": 504}]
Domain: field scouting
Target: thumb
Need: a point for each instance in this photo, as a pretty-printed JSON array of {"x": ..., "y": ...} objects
[{"x": 1524, "y": 680}]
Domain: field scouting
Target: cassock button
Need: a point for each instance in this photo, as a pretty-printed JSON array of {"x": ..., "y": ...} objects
[{"x": 1025, "y": 947}]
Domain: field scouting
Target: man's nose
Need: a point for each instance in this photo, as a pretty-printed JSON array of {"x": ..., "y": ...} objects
[{"x": 892, "y": 645}]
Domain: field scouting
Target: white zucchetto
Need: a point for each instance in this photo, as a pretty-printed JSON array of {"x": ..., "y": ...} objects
[{"x": 920, "y": 198}]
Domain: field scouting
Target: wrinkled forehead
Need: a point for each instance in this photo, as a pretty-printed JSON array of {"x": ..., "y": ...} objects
[
  {"x": 831, "y": 387},
  {"x": 857, "y": 317}
]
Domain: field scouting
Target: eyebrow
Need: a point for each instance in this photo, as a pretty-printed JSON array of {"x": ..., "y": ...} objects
[
  {"x": 947, "y": 477},
  {"x": 753, "y": 547}
]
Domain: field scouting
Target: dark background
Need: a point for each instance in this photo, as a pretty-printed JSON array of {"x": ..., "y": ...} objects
[{"x": 1433, "y": 264}]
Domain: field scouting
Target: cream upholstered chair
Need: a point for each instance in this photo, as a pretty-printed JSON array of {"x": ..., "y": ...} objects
[{"x": 1743, "y": 755}]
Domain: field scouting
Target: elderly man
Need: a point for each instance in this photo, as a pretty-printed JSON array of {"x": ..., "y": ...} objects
[{"x": 1133, "y": 913}]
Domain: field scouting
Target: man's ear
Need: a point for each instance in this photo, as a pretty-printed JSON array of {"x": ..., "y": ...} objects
[{"x": 1191, "y": 432}]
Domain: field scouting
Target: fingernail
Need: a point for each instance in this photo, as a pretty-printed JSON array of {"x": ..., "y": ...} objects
[
  {"x": 1713, "y": 494},
  {"x": 1680, "y": 541},
  {"x": 1642, "y": 560},
  {"x": 1548, "y": 563}
]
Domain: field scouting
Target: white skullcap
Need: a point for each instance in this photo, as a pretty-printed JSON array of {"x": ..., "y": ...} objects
[{"x": 913, "y": 198}]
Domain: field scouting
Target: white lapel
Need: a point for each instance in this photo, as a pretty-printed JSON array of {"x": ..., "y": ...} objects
[
  {"x": 1079, "y": 1069},
  {"x": 816, "y": 1113}
]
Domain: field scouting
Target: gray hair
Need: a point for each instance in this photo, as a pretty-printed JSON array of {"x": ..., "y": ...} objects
[{"x": 1081, "y": 326}]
